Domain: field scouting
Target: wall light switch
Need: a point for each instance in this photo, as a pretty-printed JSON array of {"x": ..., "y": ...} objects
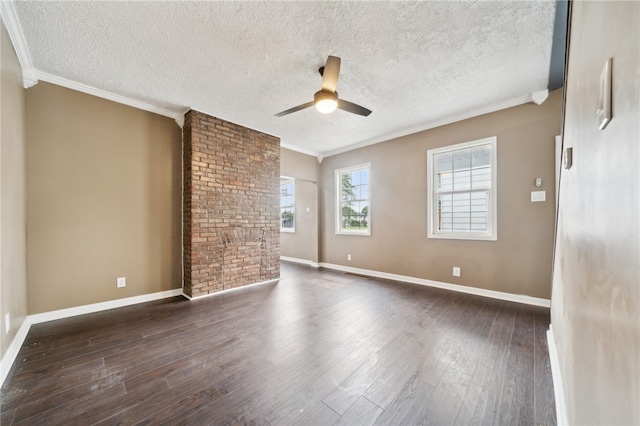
[
  {"x": 537, "y": 196},
  {"x": 456, "y": 271},
  {"x": 121, "y": 282},
  {"x": 308, "y": 209},
  {"x": 567, "y": 158},
  {"x": 604, "y": 99}
]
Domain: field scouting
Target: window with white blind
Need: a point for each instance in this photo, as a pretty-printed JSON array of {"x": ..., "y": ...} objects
[
  {"x": 287, "y": 205},
  {"x": 462, "y": 191}
]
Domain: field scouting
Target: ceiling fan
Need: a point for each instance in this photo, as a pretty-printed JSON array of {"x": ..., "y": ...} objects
[{"x": 326, "y": 100}]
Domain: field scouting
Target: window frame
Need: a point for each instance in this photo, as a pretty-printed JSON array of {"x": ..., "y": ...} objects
[
  {"x": 286, "y": 180},
  {"x": 338, "y": 211},
  {"x": 492, "y": 233}
]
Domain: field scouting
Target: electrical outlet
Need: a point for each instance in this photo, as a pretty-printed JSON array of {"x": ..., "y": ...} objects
[
  {"x": 7, "y": 322},
  {"x": 349, "y": 257},
  {"x": 456, "y": 271},
  {"x": 121, "y": 282}
]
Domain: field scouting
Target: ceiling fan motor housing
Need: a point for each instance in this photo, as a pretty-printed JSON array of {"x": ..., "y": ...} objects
[{"x": 325, "y": 101}]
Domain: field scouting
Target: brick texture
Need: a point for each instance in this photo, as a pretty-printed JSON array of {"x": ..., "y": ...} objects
[{"x": 231, "y": 205}]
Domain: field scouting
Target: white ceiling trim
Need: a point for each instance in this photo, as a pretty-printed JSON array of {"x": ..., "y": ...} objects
[
  {"x": 535, "y": 97},
  {"x": 31, "y": 76},
  {"x": 178, "y": 116},
  {"x": 300, "y": 150},
  {"x": 539, "y": 97},
  {"x": 80, "y": 87},
  {"x": 491, "y": 54},
  {"x": 11, "y": 22}
]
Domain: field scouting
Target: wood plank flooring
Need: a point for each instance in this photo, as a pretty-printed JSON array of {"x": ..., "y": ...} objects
[{"x": 317, "y": 348}]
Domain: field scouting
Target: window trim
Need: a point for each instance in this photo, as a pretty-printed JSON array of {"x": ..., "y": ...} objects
[
  {"x": 492, "y": 233},
  {"x": 293, "y": 181},
  {"x": 338, "y": 210}
]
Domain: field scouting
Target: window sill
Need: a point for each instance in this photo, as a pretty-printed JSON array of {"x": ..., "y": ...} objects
[
  {"x": 364, "y": 234},
  {"x": 469, "y": 237}
]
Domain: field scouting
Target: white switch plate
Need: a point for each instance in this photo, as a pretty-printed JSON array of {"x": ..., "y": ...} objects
[
  {"x": 456, "y": 271},
  {"x": 537, "y": 196},
  {"x": 567, "y": 158},
  {"x": 121, "y": 282},
  {"x": 308, "y": 209},
  {"x": 604, "y": 97},
  {"x": 349, "y": 257}
]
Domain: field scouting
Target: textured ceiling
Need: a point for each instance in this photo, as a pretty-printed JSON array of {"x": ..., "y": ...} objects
[{"x": 411, "y": 63}]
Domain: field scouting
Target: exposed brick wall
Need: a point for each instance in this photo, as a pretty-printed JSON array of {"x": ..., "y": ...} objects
[{"x": 231, "y": 205}]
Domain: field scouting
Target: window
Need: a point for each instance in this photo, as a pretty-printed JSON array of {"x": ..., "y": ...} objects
[
  {"x": 462, "y": 191},
  {"x": 287, "y": 205},
  {"x": 352, "y": 213}
]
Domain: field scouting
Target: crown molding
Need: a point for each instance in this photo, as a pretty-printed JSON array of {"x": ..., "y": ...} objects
[
  {"x": 521, "y": 100},
  {"x": 539, "y": 97},
  {"x": 31, "y": 76},
  {"x": 301, "y": 150},
  {"x": 14, "y": 29},
  {"x": 178, "y": 116}
]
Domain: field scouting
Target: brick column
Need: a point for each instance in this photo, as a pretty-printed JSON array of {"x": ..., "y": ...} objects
[{"x": 231, "y": 205}]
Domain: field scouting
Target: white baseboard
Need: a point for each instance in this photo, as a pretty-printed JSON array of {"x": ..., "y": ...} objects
[
  {"x": 217, "y": 293},
  {"x": 301, "y": 261},
  {"x": 17, "y": 342},
  {"x": 519, "y": 298},
  {"x": 558, "y": 387},
  {"x": 102, "y": 306},
  {"x": 13, "y": 349}
]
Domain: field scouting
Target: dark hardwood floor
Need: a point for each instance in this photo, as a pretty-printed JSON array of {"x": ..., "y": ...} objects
[{"x": 316, "y": 348}]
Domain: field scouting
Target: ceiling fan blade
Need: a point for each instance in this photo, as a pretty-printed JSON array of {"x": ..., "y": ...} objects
[
  {"x": 294, "y": 109},
  {"x": 353, "y": 108},
  {"x": 331, "y": 73}
]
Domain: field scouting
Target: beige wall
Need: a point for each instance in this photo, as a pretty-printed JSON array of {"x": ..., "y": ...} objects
[
  {"x": 595, "y": 308},
  {"x": 13, "y": 213},
  {"x": 303, "y": 244},
  {"x": 519, "y": 262},
  {"x": 104, "y": 200}
]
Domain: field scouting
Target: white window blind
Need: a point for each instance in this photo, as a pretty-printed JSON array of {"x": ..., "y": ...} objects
[{"x": 462, "y": 191}]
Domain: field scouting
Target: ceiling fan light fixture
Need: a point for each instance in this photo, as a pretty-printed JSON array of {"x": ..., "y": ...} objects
[{"x": 326, "y": 101}]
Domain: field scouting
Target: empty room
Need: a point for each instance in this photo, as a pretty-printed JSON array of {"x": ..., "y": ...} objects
[{"x": 320, "y": 212}]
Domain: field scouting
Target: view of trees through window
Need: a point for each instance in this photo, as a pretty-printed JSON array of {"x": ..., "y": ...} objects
[
  {"x": 354, "y": 200},
  {"x": 287, "y": 204}
]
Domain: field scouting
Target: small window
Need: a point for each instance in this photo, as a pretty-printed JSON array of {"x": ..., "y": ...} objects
[
  {"x": 287, "y": 205},
  {"x": 462, "y": 191},
  {"x": 352, "y": 213}
]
